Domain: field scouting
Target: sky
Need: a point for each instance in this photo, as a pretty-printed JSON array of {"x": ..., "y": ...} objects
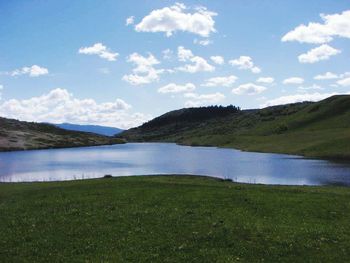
[{"x": 121, "y": 63}]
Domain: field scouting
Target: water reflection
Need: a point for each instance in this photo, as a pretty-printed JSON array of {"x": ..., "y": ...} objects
[{"x": 164, "y": 158}]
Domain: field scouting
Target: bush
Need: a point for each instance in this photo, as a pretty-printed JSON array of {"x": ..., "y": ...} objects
[{"x": 281, "y": 128}]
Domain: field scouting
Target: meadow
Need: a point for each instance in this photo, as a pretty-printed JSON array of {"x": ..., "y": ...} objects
[{"x": 172, "y": 219}]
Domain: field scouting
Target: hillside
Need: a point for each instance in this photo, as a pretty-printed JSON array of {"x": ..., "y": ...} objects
[
  {"x": 320, "y": 129},
  {"x": 19, "y": 135},
  {"x": 102, "y": 130}
]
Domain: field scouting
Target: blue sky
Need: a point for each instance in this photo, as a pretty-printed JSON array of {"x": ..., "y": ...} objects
[{"x": 74, "y": 61}]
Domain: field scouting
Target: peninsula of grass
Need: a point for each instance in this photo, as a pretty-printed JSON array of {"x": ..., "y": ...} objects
[{"x": 172, "y": 219}]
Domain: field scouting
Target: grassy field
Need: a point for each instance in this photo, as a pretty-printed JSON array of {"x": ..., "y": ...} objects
[
  {"x": 320, "y": 129},
  {"x": 172, "y": 219}
]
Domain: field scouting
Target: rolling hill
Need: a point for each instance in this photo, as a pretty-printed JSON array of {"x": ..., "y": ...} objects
[
  {"x": 102, "y": 130},
  {"x": 320, "y": 129},
  {"x": 20, "y": 135}
]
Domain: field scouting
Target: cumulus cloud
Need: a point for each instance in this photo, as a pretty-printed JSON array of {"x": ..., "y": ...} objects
[
  {"x": 249, "y": 89},
  {"x": 199, "y": 64},
  {"x": 326, "y": 76},
  {"x": 334, "y": 25},
  {"x": 144, "y": 72},
  {"x": 33, "y": 71},
  {"x": 344, "y": 82},
  {"x": 203, "y": 42},
  {"x": 100, "y": 50},
  {"x": 293, "y": 80},
  {"x": 217, "y": 60},
  {"x": 297, "y": 98},
  {"x": 184, "y": 54},
  {"x": 245, "y": 62},
  {"x": 196, "y": 100},
  {"x": 220, "y": 81},
  {"x": 265, "y": 80},
  {"x": 174, "y": 88},
  {"x": 322, "y": 52},
  {"x": 176, "y": 18},
  {"x": 59, "y": 106},
  {"x": 130, "y": 20},
  {"x": 167, "y": 53}
]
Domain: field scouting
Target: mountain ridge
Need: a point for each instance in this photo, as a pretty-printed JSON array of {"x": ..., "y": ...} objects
[
  {"x": 98, "y": 129},
  {"x": 313, "y": 129}
]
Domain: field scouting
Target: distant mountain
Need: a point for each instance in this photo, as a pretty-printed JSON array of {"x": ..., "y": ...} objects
[
  {"x": 21, "y": 135},
  {"x": 102, "y": 130},
  {"x": 315, "y": 129}
]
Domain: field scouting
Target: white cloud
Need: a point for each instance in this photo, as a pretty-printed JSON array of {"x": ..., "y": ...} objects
[
  {"x": 129, "y": 20},
  {"x": 220, "y": 81},
  {"x": 249, "y": 89},
  {"x": 203, "y": 42},
  {"x": 265, "y": 80},
  {"x": 100, "y": 50},
  {"x": 344, "y": 82},
  {"x": 196, "y": 100},
  {"x": 59, "y": 106},
  {"x": 293, "y": 80},
  {"x": 199, "y": 65},
  {"x": 334, "y": 25},
  {"x": 297, "y": 98},
  {"x": 245, "y": 62},
  {"x": 144, "y": 72},
  {"x": 33, "y": 71},
  {"x": 174, "y": 18},
  {"x": 217, "y": 60},
  {"x": 322, "y": 52},
  {"x": 174, "y": 88},
  {"x": 184, "y": 54},
  {"x": 1, "y": 88},
  {"x": 346, "y": 74},
  {"x": 167, "y": 53},
  {"x": 325, "y": 76}
]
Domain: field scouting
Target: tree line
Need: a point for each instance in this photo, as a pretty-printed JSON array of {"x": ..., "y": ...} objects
[{"x": 192, "y": 115}]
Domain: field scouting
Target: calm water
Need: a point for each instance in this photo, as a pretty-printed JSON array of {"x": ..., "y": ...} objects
[{"x": 166, "y": 158}]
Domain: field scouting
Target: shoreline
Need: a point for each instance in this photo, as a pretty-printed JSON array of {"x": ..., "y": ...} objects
[
  {"x": 58, "y": 147},
  {"x": 191, "y": 176}
]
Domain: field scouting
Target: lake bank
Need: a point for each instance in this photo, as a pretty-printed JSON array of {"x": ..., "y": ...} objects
[{"x": 172, "y": 219}]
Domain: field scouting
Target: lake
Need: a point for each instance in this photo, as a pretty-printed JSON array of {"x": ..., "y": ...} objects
[{"x": 168, "y": 158}]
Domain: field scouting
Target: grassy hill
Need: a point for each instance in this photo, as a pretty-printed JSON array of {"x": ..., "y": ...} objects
[
  {"x": 320, "y": 129},
  {"x": 19, "y": 135},
  {"x": 172, "y": 219}
]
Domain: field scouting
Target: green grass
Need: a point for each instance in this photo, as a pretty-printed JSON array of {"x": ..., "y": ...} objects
[
  {"x": 172, "y": 219},
  {"x": 319, "y": 129}
]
